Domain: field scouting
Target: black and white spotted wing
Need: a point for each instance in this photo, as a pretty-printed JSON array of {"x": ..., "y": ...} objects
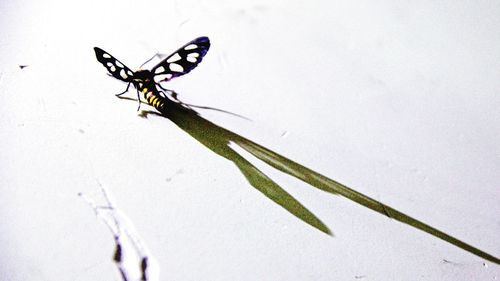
[
  {"x": 114, "y": 66},
  {"x": 181, "y": 61}
]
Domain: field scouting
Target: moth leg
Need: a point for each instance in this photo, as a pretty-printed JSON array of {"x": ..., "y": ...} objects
[
  {"x": 174, "y": 96},
  {"x": 172, "y": 93},
  {"x": 138, "y": 99},
  {"x": 126, "y": 90}
]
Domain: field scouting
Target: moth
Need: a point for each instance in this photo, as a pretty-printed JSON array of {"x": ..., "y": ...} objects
[{"x": 147, "y": 81}]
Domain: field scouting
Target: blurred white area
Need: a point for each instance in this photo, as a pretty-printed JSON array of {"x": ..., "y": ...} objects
[{"x": 396, "y": 100}]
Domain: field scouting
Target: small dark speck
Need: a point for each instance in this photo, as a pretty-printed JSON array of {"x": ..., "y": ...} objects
[
  {"x": 144, "y": 264},
  {"x": 445, "y": 261},
  {"x": 118, "y": 253},
  {"x": 81, "y": 131},
  {"x": 360, "y": 276},
  {"x": 284, "y": 134},
  {"x": 20, "y": 125},
  {"x": 21, "y": 66}
]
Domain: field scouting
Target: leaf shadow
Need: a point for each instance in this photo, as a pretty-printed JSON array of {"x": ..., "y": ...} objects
[{"x": 217, "y": 139}]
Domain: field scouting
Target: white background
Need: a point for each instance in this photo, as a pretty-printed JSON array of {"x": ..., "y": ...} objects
[{"x": 399, "y": 101}]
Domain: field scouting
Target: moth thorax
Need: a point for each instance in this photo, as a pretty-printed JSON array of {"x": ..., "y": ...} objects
[{"x": 143, "y": 75}]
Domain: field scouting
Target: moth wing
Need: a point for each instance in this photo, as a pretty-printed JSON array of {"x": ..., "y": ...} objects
[
  {"x": 181, "y": 61},
  {"x": 115, "y": 68}
]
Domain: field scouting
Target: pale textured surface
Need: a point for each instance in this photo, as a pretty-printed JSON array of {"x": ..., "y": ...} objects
[{"x": 398, "y": 101}]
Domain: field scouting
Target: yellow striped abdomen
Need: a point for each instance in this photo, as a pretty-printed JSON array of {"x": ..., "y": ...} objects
[{"x": 153, "y": 99}]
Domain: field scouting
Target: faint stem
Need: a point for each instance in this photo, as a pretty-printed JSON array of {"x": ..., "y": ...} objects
[{"x": 131, "y": 256}]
